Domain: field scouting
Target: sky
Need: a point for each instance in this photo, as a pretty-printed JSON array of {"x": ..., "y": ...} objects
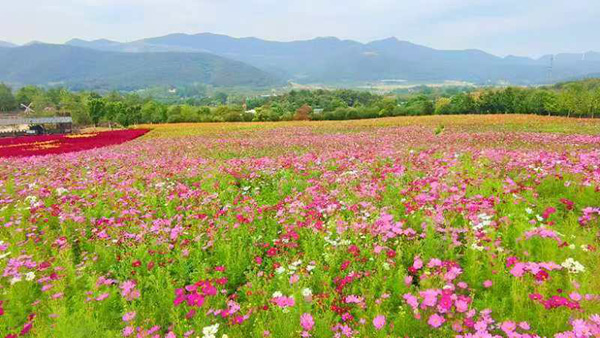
[{"x": 502, "y": 27}]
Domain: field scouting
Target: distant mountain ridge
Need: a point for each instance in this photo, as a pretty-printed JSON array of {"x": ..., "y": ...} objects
[
  {"x": 84, "y": 68},
  {"x": 7, "y": 44},
  {"x": 220, "y": 60},
  {"x": 331, "y": 60}
]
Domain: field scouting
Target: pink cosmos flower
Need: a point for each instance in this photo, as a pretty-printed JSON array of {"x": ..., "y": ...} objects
[
  {"x": 307, "y": 321},
  {"x": 379, "y": 322},
  {"x": 508, "y": 327},
  {"x": 47, "y": 287},
  {"x": 488, "y": 284},
  {"x": 128, "y": 290},
  {"x": 417, "y": 263},
  {"x": 353, "y": 299},
  {"x": 128, "y": 316},
  {"x": 461, "y": 306},
  {"x": 436, "y": 320},
  {"x": 283, "y": 301},
  {"x": 127, "y": 331},
  {"x": 575, "y": 296},
  {"x": 102, "y": 297},
  {"x": 429, "y": 297},
  {"x": 524, "y": 326},
  {"x": 411, "y": 300}
]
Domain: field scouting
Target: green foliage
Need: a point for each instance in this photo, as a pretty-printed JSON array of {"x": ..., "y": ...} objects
[
  {"x": 7, "y": 100},
  {"x": 27, "y": 94},
  {"x": 96, "y": 108},
  {"x": 576, "y": 99}
]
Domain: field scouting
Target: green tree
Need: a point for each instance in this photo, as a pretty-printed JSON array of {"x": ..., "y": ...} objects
[
  {"x": 72, "y": 105},
  {"x": 153, "y": 112},
  {"x": 123, "y": 119},
  {"x": 7, "y": 99},
  {"x": 174, "y": 114},
  {"x": 420, "y": 105},
  {"x": 133, "y": 113},
  {"x": 442, "y": 106},
  {"x": 462, "y": 104},
  {"x": 573, "y": 99},
  {"x": 96, "y": 109},
  {"x": 221, "y": 98},
  {"x": 26, "y": 95},
  {"x": 595, "y": 102},
  {"x": 536, "y": 102},
  {"x": 53, "y": 95}
]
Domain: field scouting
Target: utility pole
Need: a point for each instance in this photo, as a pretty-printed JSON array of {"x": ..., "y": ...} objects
[{"x": 551, "y": 70}]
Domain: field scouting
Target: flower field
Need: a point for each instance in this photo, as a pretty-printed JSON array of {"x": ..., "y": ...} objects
[
  {"x": 454, "y": 226},
  {"x": 59, "y": 144}
]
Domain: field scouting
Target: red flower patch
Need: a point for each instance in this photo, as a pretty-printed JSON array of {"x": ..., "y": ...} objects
[{"x": 60, "y": 144}]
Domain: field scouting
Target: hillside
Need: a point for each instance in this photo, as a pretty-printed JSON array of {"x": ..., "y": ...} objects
[
  {"x": 7, "y": 44},
  {"x": 83, "y": 68},
  {"x": 331, "y": 60}
]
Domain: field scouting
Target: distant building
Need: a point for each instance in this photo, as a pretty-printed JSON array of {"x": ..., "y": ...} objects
[{"x": 18, "y": 125}]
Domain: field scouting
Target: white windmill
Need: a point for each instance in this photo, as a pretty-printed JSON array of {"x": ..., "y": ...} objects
[{"x": 28, "y": 109}]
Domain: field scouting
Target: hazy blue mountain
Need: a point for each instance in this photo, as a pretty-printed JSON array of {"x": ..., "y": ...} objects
[
  {"x": 83, "y": 68},
  {"x": 6, "y": 44},
  {"x": 101, "y": 44},
  {"x": 331, "y": 60}
]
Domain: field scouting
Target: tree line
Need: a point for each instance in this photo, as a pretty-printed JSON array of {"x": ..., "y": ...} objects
[{"x": 572, "y": 99}]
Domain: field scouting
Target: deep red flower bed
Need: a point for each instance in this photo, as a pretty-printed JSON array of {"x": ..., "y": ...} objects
[{"x": 59, "y": 144}]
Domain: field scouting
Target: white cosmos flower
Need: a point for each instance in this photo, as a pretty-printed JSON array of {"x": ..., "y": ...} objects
[
  {"x": 61, "y": 191},
  {"x": 210, "y": 331},
  {"x": 573, "y": 266},
  {"x": 306, "y": 292}
]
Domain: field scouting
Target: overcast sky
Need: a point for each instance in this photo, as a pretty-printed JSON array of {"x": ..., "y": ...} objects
[{"x": 502, "y": 27}]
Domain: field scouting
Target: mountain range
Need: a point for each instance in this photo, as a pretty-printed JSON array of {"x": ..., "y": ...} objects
[
  {"x": 83, "y": 68},
  {"x": 7, "y": 44},
  {"x": 322, "y": 60}
]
